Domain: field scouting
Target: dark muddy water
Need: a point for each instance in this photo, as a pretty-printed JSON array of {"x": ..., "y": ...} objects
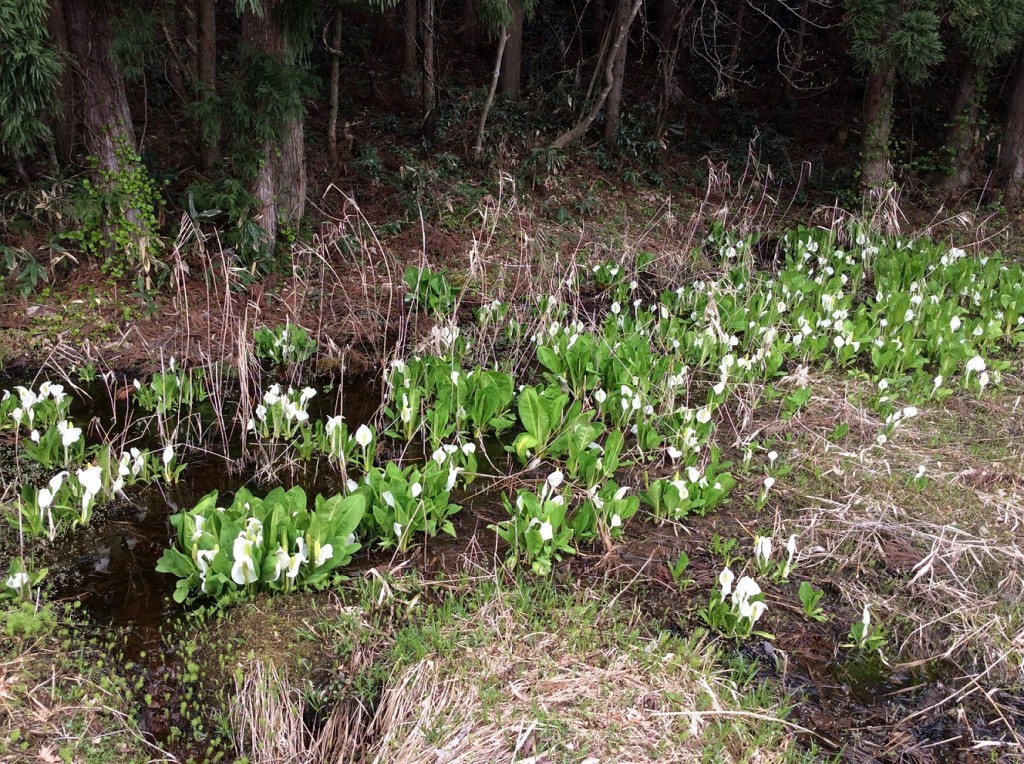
[{"x": 110, "y": 566}]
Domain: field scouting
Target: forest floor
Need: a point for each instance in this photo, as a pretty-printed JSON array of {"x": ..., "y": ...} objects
[
  {"x": 440, "y": 654},
  {"x": 344, "y": 282}
]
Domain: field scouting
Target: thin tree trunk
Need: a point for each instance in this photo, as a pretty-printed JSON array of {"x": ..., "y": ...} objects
[
  {"x": 734, "y": 52},
  {"x": 599, "y": 25},
  {"x": 875, "y": 169},
  {"x": 176, "y": 68},
  {"x": 469, "y": 32},
  {"x": 478, "y": 149},
  {"x": 64, "y": 116},
  {"x": 611, "y": 115},
  {"x": 668, "y": 57},
  {"x": 19, "y": 168},
  {"x": 962, "y": 136},
  {"x": 667, "y": 14},
  {"x": 581, "y": 127},
  {"x": 606, "y": 41},
  {"x": 1010, "y": 167},
  {"x": 332, "y": 119},
  {"x": 429, "y": 84},
  {"x": 410, "y": 53},
  {"x": 798, "y": 49},
  {"x": 389, "y": 34},
  {"x": 206, "y": 65},
  {"x": 192, "y": 33},
  {"x": 512, "y": 63}
]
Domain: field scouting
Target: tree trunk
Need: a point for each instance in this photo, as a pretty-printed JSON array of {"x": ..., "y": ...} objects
[
  {"x": 611, "y": 116},
  {"x": 598, "y": 22},
  {"x": 875, "y": 169},
  {"x": 389, "y": 34},
  {"x": 584, "y": 124},
  {"x": 429, "y": 84},
  {"x": 332, "y": 119},
  {"x": 280, "y": 183},
  {"x": 670, "y": 41},
  {"x": 106, "y": 119},
  {"x": 961, "y": 138},
  {"x": 512, "y": 62},
  {"x": 667, "y": 13},
  {"x": 291, "y": 175},
  {"x": 1010, "y": 167},
  {"x": 793, "y": 70},
  {"x": 176, "y": 69},
  {"x": 731, "y": 68},
  {"x": 19, "y": 168},
  {"x": 478, "y": 148},
  {"x": 64, "y": 116},
  {"x": 206, "y": 64},
  {"x": 191, "y": 35},
  {"x": 469, "y": 32},
  {"x": 410, "y": 54},
  {"x": 602, "y": 52}
]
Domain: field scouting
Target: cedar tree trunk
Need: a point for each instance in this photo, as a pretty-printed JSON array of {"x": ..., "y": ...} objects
[
  {"x": 64, "y": 116},
  {"x": 962, "y": 138},
  {"x": 1010, "y": 168},
  {"x": 410, "y": 55},
  {"x": 512, "y": 61},
  {"x": 875, "y": 169},
  {"x": 106, "y": 119},
  {"x": 429, "y": 84},
  {"x": 206, "y": 64},
  {"x": 280, "y": 184}
]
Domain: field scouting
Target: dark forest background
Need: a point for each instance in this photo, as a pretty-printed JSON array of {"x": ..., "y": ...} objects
[{"x": 239, "y": 114}]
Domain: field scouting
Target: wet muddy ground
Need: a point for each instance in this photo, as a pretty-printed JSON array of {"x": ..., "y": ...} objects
[{"x": 858, "y": 707}]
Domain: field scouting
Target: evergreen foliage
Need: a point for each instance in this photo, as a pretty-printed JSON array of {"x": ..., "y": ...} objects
[
  {"x": 497, "y": 14},
  {"x": 902, "y": 33},
  {"x": 29, "y": 71},
  {"x": 988, "y": 29},
  {"x": 135, "y": 40}
]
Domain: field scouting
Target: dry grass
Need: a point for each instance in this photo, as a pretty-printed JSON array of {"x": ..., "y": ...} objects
[
  {"x": 525, "y": 677},
  {"x": 583, "y": 688},
  {"x": 266, "y": 716},
  {"x": 939, "y": 559},
  {"x": 547, "y": 701}
]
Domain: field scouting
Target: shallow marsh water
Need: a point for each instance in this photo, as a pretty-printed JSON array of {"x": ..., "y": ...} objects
[{"x": 110, "y": 567}]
